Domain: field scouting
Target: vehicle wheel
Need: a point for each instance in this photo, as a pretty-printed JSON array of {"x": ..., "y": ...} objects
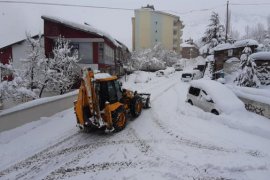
[
  {"x": 136, "y": 106},
  {"x": 190, "y": 102},
  {"x": 119, "y": 120},
  {"x": 215, "y": 112}
]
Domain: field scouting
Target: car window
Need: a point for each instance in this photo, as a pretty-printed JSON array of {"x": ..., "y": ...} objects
[{"x": 194, "y": 91}]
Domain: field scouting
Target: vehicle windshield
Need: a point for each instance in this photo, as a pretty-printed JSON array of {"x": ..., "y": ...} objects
[{"x": 186, "y": 75}]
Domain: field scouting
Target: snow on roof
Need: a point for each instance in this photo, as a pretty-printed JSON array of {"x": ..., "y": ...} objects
[
  {"x": 102, "y": 75},
  {"x": 16, "y": 41},
  {"x": 233, "y": 59},
  {"x": 210, "y": 58},
  {"x": 246, "y": 42},
  {"x": 187, "y": 45},
  {"x": 82, "y": 27},
  {"x": 225, "y": 46},
  {"x": 222, "y": 96},
  {"x": 261, "y": 56}
]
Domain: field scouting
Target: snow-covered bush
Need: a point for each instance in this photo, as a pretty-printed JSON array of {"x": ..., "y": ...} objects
[
  {"x": 248, "y": 74},
  {"x": 15, "y": 89}
]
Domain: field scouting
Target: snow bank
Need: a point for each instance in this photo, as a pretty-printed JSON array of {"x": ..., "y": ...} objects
[
  {"x": 223, "y": 97},
  {"x": 142, "y": 77},
  {"x": 260, "y": 95}
]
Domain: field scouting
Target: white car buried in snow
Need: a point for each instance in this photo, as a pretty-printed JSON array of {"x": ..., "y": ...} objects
[{"x": 214, "y": 97}]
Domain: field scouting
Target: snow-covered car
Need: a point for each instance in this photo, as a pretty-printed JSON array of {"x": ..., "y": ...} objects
[
  {"x": 212, "y": 96},
  {"x": 191, "y": 75},
  {"x": 178, "y": 67},
  {"x": 160, "y": 73},
  {"x": 187, "y": 76}
]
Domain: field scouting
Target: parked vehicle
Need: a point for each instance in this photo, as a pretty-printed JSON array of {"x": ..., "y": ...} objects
[
  {"x": 167, "y": 71},
  {"x": 214, "y": 97},
  {"x": 187, "y": 76},
  {"x": 178, "y": 67},
  {"x": 191, "y": 75},
  {"x": 160, "y": 73}
]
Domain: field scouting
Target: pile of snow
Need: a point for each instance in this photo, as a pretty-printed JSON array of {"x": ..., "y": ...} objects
[
  {"x": 260, "y": 56},
  {"x": 142, "y": 77},
  {"x": 246, "y": 42},
  {"x": 169, "y": 70},
  {"x": 255, "y": 94},
  {"x": 223, "y": 97}
]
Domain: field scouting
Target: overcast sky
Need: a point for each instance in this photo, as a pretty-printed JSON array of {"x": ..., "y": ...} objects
[{"x": 16, "y": 19}]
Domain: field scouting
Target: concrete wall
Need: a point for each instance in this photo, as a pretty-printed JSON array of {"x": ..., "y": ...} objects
[
  {"x": 20, "y": 117},
  {"x": 257, "y": 107}
]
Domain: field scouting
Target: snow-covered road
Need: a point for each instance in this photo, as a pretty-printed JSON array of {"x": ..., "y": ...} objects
[{"x": 172, "y": 140}]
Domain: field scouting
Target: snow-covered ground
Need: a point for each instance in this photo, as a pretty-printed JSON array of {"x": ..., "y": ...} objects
[{"x": 171, "y": 140}]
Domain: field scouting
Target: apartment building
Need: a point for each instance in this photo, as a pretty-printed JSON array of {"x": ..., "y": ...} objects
[{"x": 150, "y": 27}]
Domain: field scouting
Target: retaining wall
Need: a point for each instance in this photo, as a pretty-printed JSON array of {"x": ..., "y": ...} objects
[{"x": 18, "y": 116}]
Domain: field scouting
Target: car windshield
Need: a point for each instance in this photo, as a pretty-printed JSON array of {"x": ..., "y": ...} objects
[{"x": 186, "y": 75}]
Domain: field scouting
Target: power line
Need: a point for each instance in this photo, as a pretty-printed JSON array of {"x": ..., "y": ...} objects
[
  {"x": 196, "y": 10},
  {"x": 250, "y": 4},
  {"x": 66, "y": 5}
]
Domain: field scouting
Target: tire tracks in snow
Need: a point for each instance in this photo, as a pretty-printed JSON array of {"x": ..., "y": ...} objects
[
  {"x": 36, "y": 158},
  {"x": 88, "y": 149}
]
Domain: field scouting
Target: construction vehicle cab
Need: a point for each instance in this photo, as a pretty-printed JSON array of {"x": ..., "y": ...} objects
[{"x": 102, "y": 102}]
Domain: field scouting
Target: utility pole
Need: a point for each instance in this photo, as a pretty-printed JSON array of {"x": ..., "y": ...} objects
[{"x": 227, "y": 22}]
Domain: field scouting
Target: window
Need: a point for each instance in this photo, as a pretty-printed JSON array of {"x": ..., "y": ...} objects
[
  {"x": 108, "y": 55},
  {"x": 194, "y": 91},
  {"x": 230, "y": 52},
  {"x": 156, "y": 22},
  {"x": 112, "y": 92},
  {"x": 174, "y": 32},
  {"x": 101, "y": 52}
]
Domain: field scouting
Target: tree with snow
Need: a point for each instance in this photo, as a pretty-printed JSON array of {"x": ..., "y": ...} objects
[
  {"x": 248, "y": 73},
  {"x": 63, "y": 70},
  {"x": 214, "y": 34},
  {"x": 34, "y": 64},
  {"x": 266, "y": 43}
]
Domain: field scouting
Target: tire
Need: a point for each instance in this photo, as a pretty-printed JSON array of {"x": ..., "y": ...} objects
[
  {"x": 119, "y": 119},
  {"x": 136, "y": 106},
  {"x": 190, "y": 102},
  {"x": 215, "y": 112}
]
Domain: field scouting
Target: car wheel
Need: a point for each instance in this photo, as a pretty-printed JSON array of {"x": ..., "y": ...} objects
[
  {"x": 190, "y": 102},
  {"x": 215, "y": 112}
]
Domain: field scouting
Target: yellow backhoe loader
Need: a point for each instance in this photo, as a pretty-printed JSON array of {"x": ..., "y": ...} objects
[{"x": 103, "y": 103}]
